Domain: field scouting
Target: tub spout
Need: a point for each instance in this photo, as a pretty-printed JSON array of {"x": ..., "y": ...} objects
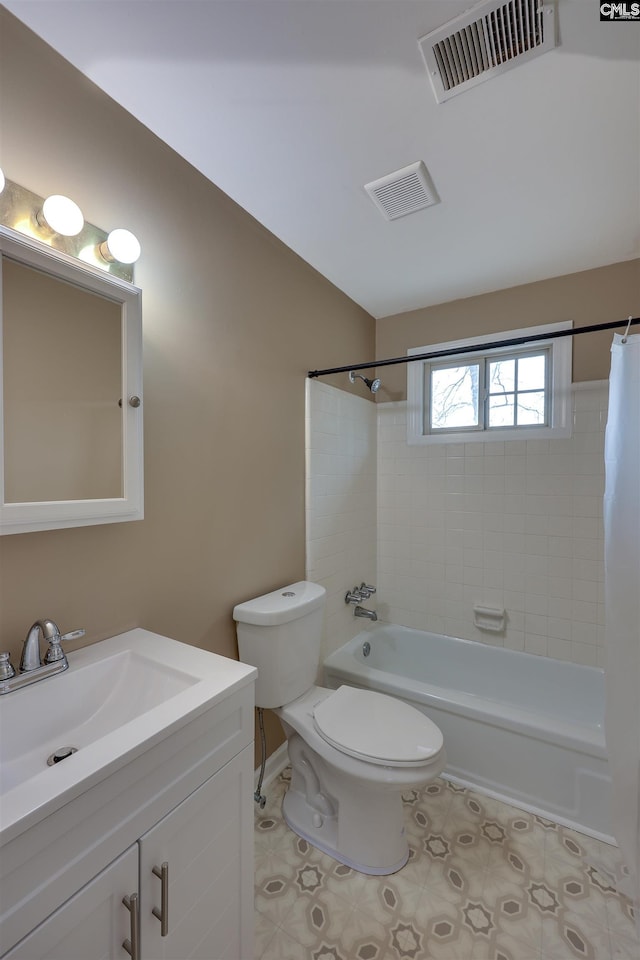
[{"x": 367, "y": 614}]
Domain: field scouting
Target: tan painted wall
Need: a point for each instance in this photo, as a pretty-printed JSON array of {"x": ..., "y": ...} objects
[
  {"x": 595, "y": 296},
  {"x": 232, "y": 321}
]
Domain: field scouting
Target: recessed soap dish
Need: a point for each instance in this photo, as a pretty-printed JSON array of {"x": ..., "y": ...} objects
[{"x": 489, "y": 618}]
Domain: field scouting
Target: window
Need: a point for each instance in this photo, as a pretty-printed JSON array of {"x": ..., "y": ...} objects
[
  {"x": 492, "y": 393},
  {"x": 497, "y": 394}
]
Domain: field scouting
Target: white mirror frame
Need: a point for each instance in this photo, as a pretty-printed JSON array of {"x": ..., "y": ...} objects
[{"x": 56, "y": 514}]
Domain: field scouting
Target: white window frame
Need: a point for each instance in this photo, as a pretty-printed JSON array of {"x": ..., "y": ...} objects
[{"x": 559, "y": 378}]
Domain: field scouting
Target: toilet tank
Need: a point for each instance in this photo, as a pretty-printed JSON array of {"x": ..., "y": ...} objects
[{"x": 280, "y": 634}]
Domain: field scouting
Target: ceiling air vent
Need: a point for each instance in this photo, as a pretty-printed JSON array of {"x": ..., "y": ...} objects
[
  {"x": 488, "y": 39},
  {"x": 403, "y": 192}
]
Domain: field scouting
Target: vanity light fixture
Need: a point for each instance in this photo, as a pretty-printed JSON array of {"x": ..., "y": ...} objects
[
  {"x": 58, "y": 223},
  {"x": 121, "y": 246},
  {"x": 61, "y": 215}
]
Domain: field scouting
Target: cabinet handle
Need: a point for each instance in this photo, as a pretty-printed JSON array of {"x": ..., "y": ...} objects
[
  {"x": 163, "y": 913},
  {"x": 132, "y": 946}
]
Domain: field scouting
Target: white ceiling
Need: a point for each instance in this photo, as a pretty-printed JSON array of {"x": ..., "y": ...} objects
[{"x": 291, "y": 106}]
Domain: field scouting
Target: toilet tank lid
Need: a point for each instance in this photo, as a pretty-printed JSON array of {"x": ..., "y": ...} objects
[{"x": 281, "y": 606}]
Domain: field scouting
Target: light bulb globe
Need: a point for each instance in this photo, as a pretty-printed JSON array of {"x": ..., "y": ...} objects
[
  {"x": 123, "y": 246},
  {"x": 63, "y": 215}
]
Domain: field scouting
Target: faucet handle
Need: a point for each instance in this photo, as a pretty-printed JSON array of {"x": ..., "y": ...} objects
[
  {"x": 366, "y": 590},
  {"x": 353, "y": 596},
  {"x": 54, "y": 650},
  {"x": 55, "y": 653},
  {"x": 6, "y": 667}
]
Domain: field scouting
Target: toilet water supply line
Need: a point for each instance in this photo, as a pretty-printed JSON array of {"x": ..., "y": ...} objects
[{"x": 258, "y": 795}]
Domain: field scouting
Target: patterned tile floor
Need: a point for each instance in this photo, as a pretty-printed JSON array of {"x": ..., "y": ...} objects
[{"x": 484, "y": 881}]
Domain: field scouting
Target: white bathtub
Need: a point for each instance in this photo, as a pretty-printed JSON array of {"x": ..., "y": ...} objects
[{"x": 522, "y": 728}]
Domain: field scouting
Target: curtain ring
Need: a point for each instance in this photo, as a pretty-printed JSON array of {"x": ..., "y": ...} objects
[{"x": 626, "y": 333}]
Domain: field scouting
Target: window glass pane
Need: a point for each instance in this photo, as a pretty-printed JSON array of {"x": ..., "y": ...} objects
[
  {"x": 454, "y": 396},
  {"x": 502, "y": 376},
  {"x": 531, "y": 407},
  {"x": 531, "y": 372},
  {"x": 518, "y": 390},
  {"x": 501, "y": 411}
]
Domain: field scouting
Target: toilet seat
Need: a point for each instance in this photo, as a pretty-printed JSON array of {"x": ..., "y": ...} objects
[{"x": 377, "y": 728}]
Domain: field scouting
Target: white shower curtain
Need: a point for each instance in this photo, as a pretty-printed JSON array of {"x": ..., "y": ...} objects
[{"x": 622, "y": 602}]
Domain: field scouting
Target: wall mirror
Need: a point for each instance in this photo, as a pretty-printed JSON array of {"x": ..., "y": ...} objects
[{"x": 70, "y": 404}]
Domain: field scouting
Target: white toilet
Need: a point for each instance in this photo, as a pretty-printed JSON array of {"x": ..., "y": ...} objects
[{"x": 353, "y": 752}]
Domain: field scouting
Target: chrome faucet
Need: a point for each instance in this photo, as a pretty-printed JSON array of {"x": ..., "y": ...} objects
[
  {"x": 363, "y": 612},
  {"x": 30, "y": 659},
  {"x": 31, "y": 667},
  {"x": 363, "y": 592}
]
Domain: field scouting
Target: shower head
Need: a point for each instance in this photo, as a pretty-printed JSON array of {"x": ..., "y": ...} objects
[{"x": 374, "y": 385}]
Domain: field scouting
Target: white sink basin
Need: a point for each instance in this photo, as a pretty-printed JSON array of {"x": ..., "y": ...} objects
[
  {"x": 74, "y": 709},
  {"x": 116, "y": 698}
]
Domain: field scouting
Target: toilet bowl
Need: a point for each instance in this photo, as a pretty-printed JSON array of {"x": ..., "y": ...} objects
[
  {"x": 353, "y": 752},
  {"x": 343, "y": 801}
]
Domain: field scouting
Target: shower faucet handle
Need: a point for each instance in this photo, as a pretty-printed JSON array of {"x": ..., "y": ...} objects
[
  {"x": 353, "y": 596},
  {"x": 363, "y": 592}
]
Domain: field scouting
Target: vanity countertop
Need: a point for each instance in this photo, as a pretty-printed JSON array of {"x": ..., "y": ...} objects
[{"x": 118, "y": 699}]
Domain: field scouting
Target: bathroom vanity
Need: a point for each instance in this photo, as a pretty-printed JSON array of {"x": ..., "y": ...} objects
[{"x": 140, "y": 843}]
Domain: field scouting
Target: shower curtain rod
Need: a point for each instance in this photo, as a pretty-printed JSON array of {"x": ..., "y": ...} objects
[{"x": 493, "y": 345}]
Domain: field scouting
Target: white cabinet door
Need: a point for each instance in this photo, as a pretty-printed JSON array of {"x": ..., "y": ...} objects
[
  {"x": 93, "y": 924},
  {"x": 207, "y": 844}
]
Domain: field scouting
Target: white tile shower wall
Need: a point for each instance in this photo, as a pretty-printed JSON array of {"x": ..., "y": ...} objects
[
  {"x": 515, "y": 524},
  {"x": 340, "y": 501}
]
